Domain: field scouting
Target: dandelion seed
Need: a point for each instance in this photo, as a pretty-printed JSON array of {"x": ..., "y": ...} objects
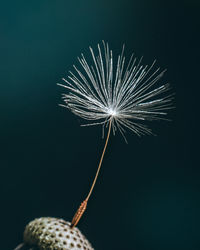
[{"x": 113, "y": 93}]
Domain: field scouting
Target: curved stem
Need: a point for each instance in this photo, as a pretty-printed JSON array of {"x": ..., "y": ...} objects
[
  {"x": 83, "y": 205},
  {"x": 100, "y": 162}
]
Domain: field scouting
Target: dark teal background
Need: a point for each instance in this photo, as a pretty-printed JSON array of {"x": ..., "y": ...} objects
[{"x": 148, "y": 193}]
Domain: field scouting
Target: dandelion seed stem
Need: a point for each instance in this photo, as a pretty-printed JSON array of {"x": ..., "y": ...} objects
[
  {"x": 99, "y": 167},
  {"x": 83, "y": 205}
]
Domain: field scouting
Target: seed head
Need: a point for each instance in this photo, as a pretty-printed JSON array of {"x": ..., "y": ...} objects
[{"x": 54, "y": 234}]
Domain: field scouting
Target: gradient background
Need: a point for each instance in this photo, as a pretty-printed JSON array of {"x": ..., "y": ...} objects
[{"x": 148, "y": 194}]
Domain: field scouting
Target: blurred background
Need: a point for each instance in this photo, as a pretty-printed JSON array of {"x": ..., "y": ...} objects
[{"x": 147, "y": 196}]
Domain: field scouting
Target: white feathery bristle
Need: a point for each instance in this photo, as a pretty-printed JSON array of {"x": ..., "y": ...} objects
[{"x": 114, "y": 89}]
